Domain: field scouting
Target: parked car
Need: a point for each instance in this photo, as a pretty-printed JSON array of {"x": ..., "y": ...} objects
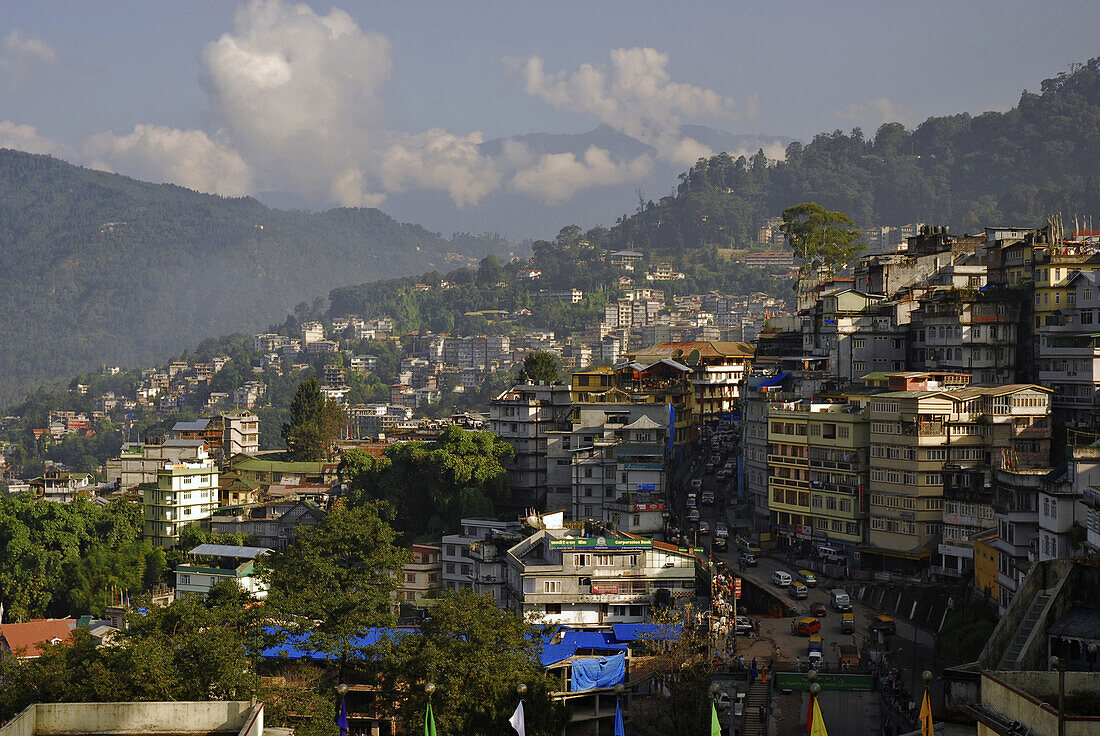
[
  {"x": 693, "y": 515},
  {"x": 885, "y": 624},
  {"x": 818, "y": 609},
  {"x": 696, "y": 484},
  {"x": 798, "y": 591},
  {"x": 807, "y": 577},
  {"x": 805, "y": 626},
  {"x": 704, "y": 528},
  {"x": 781, "y": 579},
  {"x": 708, "y": 497},
  {"x": 747, "y": 559},
  {"x": 721, "y": 529},
  {"x": 722, "y": 474}
]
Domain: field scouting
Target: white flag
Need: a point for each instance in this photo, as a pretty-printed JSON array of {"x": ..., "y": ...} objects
[{"x": 517, "y": 720}]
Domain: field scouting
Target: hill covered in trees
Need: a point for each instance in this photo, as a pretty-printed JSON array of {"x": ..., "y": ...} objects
[
  {"x": 99, "y": 268},
  {"x": 997, "y": 168}
]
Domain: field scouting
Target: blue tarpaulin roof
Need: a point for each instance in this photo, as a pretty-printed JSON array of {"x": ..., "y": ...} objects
[
  {"x": 554, "y": 653},
  {"x": 598, "y": 672},
  {"x": 296, "y": 646},
  {"x": 775, "y": 380}
]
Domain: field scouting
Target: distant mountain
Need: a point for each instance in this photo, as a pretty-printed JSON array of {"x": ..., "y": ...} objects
[
  {"x": 519, "y": 216},
  {"x": 98, "y": 268}
]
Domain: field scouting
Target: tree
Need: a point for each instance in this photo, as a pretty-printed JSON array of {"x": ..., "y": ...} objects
[
  {"x": 337, "y": 579},
  {"x": 476, "y": 654},
  {"x": 432, "y": 486},
  {"x": 539, "y": 366},
  {"x": 314, "y": 423},
  {"x": 675, "y": 655},
  {"x": 824, "y": 241}
]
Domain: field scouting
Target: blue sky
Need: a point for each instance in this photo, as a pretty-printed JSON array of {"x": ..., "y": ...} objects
[{"x": 392, "y": 100}]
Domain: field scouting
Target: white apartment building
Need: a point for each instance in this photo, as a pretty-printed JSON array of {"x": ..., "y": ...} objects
[
  {"x": 139, "y": 463},
  {"x": 240, "y": 433},
  {"x": 184, "y": 493},
  {"x": 1069, "y": 354},
  {"x": 569, "y": 577},
  {"x": 217, "y": 563}
]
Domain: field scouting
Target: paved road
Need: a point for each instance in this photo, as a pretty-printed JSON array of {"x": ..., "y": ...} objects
[{"x": 910, "y": 650}]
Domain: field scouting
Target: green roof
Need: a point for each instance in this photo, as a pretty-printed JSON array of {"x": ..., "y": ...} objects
[{"x": 255, "y": 464}]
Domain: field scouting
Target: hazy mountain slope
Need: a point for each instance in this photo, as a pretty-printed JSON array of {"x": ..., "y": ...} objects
[{"x": 98, "y": 268}]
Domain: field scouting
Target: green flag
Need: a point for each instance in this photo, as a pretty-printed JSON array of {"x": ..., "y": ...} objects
[
  {"x": 429, "y": 721},
  {"x": 715, "y": 726}
]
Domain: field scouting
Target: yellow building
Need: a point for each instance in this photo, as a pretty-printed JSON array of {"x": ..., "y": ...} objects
[
  {"x": 664, "y": 382},
  {"x": 789, "y": 471},
  {"x": 1053, "y": 267},
  {"x": 838, "y": 442},
  {"x": 985, "y": 564}
]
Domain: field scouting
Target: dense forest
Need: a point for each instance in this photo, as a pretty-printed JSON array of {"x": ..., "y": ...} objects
[{"x": 98, "y": 268}]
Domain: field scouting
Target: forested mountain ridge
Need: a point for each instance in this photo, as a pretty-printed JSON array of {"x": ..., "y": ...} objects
[
  {"x": 997, "y": 168},
  {"x": 99, "y": 268}
]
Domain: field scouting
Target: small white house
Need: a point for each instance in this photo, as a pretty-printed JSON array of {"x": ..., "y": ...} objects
[{"x": 211, "y": 563}]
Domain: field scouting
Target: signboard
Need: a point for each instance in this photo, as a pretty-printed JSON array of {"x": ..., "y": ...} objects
[
  {"x": 600, "y": 543},
  {"x": 649, "y": 507},
  {"x": 647, "y": 486},
  {"x": 691, "y": 550},
  {"x": 908, "y": 515},
  {"x": 803, "y": 531},
  {"x": 827, "y": 680},
  {"x": 605, "y": 588},
  {"x": 737, "y": 588}
]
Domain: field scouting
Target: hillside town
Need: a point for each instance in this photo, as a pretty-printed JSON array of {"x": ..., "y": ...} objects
[{"x": 921, "y": 428}]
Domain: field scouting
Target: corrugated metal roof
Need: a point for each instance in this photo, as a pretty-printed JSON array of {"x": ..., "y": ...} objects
[{"x": 229, "y": 550}]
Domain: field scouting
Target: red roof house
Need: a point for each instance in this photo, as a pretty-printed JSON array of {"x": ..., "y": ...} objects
[{"x": 24, "y": 640}]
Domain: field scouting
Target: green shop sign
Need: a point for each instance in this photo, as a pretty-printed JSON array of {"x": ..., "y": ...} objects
[
  {"x": 600, "y": 543},
  {"x": 827, "y": 680}
]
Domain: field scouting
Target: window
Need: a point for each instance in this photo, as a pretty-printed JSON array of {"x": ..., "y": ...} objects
[
  {"x": 859, "y": 365},
  {"x": 1086, "y": 294},
  {"x": 605, "y": 560},
  {"x": 410, "y": 577},
  {"x": 582, "y": 560},
  {"x": 183, "y": 580},
  {"x": 551, "y": 586},
  {"x": 450, "y": 568},
  {"x": 552, "y": 608},
  {"x": 933, "y": 479},
  {"x": 859, "y": 343}
]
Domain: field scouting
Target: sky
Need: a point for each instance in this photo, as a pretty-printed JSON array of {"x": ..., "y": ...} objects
[{"x": 353, "y": 102}]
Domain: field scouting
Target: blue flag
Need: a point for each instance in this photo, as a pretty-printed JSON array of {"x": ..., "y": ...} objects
[
  {"x": 342, "y": 718},
  {"x": 619, "y": 730}
]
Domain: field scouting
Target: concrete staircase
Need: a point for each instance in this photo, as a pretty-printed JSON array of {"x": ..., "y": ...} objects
[
  {"x": 1023, "y": 631},
  {"x": 759, "y": 694}
]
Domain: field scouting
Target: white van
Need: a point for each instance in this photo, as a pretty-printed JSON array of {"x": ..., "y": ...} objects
[
  {"x": 839, "y": 599},
  {"x": 830, "y": 554},
  {"x": 781, "y": 579}
]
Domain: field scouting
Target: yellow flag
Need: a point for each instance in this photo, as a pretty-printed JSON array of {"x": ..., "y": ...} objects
[
  {"x": 818, "y": 727},
  {"x": 926, "y": 717}
]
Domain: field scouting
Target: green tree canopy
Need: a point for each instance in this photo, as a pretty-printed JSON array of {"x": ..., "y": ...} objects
[
  {"x": 476, "y": 654},
  {"x": 432, "y": 485},
  {"x": 337, "y": 579},
  {"x": 539, "y": 366},
  {"x": 823, "y": 240},
  {"x": 313, "y": 425}
]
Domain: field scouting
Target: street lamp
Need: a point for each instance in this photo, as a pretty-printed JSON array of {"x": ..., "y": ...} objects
[
  {"x": 1057, "y": 664},
  {"x": 521, "y": 689},
  {"x": 429, "y": 688}
]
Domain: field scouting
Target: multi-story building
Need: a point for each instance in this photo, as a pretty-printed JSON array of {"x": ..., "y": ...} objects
[
  {"x": 918, "y": 436},
  {"x": 139, "y": 463},
  {"x": 594, "y": 577},
  {"x": 857, "y": 333},
  {"x": 184, "y": 493},
  {"x": 473, "y": 559},
  {"x": 240, "y": 433},
  {"x": 969, "y": 331},
  {"x": 837, "y": 446},
  {"x": 1069, "y": 353},
  {"x": 209, "y": 564},
  {"x": 760, "y": 393},
  {"x": 717, "y": 373},
  {"x": 528, "y": 417},
  {"x": 421, "y": 574},
  {"x": 1016, "y": 510}
]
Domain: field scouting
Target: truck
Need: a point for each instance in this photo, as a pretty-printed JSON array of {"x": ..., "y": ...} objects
[{"x": 847, "y": 655}]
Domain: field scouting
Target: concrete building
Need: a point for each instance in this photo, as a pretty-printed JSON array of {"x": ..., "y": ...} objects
[
  {"x": 139, "y": 463},
  {"x": 145, "y": 718},
  {"x": 1069, "y": 353},
  {"x": 240, "y": 433},
  {"x": 594, "y": 578},
  {"x": 209, "y": 564},
  {"x": 184, "y": 493},
  {"x": 473, "y": 559},
  {"x": 530, "y": 417},
  {"x": 421, "y": 574}
]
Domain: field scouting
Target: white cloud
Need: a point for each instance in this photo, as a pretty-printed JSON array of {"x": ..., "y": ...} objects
[
  {"x": 300, "y": 96},
  {"x": 158, "y": 153},
  {"x": 25, "y": 138},
  {"x": 20, "y": 55},
  {"x": 634, "y": 95},
  {"x": 556, "y": 177},
  {"x": 874, "y": 113}
]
